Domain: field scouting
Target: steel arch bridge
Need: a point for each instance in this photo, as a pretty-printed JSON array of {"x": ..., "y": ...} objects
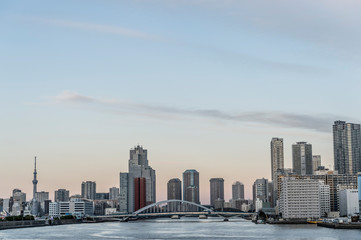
[{"x": 173, "y": 205}]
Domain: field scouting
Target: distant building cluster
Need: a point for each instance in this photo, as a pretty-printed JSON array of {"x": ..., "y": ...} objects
[{"x": 307, "y": 190}]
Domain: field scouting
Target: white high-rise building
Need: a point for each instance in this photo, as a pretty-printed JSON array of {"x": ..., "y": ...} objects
[
  {"x": 349, "y": 204},
  {"x": 300, "y": 198},
  {"x": 324, "y": 192}
]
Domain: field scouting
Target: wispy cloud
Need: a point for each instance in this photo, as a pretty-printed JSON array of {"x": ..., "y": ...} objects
[
  {"x": 320, "y": 123},
  {"x": 102, "y": 28}
]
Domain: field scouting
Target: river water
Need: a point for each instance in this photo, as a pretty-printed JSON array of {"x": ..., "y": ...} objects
[{"x": 184, "y": 228}]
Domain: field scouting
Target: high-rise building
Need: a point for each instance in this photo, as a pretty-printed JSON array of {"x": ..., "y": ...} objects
[
  {"x": 300, "y": 198},
  {"x": 347, "y": 147},
  {"x": 19, "y": 197},
  {"x": 359, "y": 188},
  {"x": 102, "y": 196},
  {"x": 336, "y": 182},
  {"x": 42, "y": 196},
  {"x": 349, "y": 204},
  {"x": 237, "y": 191},
  {"x": 113, "y": 193},
  {"x": 191, "y": 186},
  {"x": 139, "y": 168},
  {"x": 61, "y": 195},
  {"x": 174, "y": 189},
  {"x": 277, "y": 159},
  {"x": 216, "y": 190},
  {"x": 316, "y": 162},
  {"x": 88, "y": 190},
  {"x": 260, "y": 190},
  {"x": 302, "y": 158},
  {"x": 139, "y": 193},
  {"x": 123, "y": 192}
]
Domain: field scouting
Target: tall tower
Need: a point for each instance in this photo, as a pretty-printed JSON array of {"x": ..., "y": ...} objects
[
  {"x": 35, "y": 181},
  {"x": 347, "y": 147},
  {"x": 237, "y": 191},
  {"x": 139, "y": 168},
  {"x": 191, "y": 186},
  {"x": 216, "y": 190},
  {"x": 277, "y": 159},
  {"x": 302, "y": 158}
]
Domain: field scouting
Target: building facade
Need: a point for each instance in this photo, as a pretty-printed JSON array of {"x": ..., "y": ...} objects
[
  {"x": 61, "y": 195},
  {"x": 349, "y": 203},
  {"x": 123, "y": 192},
  {"x": 237, "y": 191},
  {"x": 174, "y": 189},
  {"x": 302, "y": 158},
  {"x": 316, "y": 162},
  {"x": 260, "y": 190},
  {"x": 191, "y": 186},
  {"x": 300, "y": 198},
  {"x": 347, "y": 147},
  {"x": 139, "y": 168},
  {"x": 139, "y": 193},
  {"x": 216, "y": 190},
  {"x": 277, "y": 158},
  {"x": 113, "y": 193},
  {"x": 88, "y": 190}
]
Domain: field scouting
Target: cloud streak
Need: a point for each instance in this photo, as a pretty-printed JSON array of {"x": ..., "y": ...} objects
[
  {"x": 102, "y": 28},
  {"x": 319, "y": 123}
]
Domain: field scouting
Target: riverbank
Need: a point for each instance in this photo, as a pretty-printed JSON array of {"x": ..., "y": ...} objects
[
  {"x": 340, "y": 225},
  {"x": 22, "y": 224}
]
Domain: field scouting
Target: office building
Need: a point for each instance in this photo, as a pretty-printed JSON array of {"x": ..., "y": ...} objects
[
  {"x": 316, "y": 163},
  {"x": 174, "y": 189},
  {"x": 324, "y": 195},
  {"x": 349, "y": 203},
  {"x": 19, "y": 197},
  {"x": 359, "y": 188},
  {"x": 191, "y": 186},
  {"x": 139, "y": 168},
  {"x": 300, "y": 198},
  {"x": 174, "y": 192},
  {"x": 123, "y": 192},
  {"x": 277, "y": 158},
  {"x": 216, "y": 190},
  {"x": 101, "y": 196},
  {"x": 260, "y": 190},
  {"x": 42, "y": 196},
  {"x": 139, "y": 193},
  {"x": 347, "y": 147},
  {"x": 113, "y": 193},
  {"x": 88, "y": 190},
  {"x": 302, "y": 158},
  {"x": 61, "y": 195},
  {"x": 237, "y": 191},
  {"x": 336, "y": 182}
]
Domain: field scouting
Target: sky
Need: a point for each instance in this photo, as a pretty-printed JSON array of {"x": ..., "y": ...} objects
[{"x": 201, "y": 84}]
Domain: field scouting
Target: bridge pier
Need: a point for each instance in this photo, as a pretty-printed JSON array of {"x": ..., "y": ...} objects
[
  {"x": 175, "y": 217},
  {"x": 203, "y": 217}
]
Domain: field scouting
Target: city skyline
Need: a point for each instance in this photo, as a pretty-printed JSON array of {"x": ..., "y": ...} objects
[{"x": 203, "y": 85}]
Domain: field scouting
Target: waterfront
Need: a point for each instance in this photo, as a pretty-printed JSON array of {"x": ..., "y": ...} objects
[{"x": 184, "y": 228}]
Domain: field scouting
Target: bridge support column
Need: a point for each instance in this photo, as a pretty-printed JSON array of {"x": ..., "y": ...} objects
[{"x": 203, "y": 217}]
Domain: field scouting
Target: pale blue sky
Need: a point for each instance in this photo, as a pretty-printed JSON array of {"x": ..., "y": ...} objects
[{"x": 201, "y": 84}]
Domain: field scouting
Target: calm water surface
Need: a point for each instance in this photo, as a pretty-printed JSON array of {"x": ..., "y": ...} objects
[{"x": 184, "y": 228}]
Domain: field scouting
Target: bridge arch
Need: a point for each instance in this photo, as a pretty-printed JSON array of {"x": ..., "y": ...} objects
[{"x": 171, "y": 201}]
